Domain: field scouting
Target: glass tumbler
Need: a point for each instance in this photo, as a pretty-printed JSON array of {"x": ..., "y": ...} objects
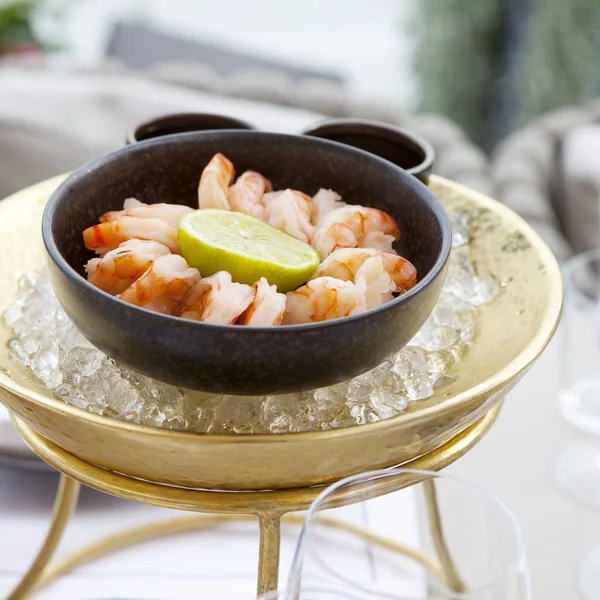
[
  {"x": 410, "y": 535},
  {"x": 579, "y": 396},
  {"x": 578, "y": 465}
]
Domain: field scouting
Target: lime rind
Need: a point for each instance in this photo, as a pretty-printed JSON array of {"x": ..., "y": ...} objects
[{"x": 215, "y": 240}]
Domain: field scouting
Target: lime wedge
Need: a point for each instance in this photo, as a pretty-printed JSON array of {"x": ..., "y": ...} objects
[{"x": 221, "y": 240}]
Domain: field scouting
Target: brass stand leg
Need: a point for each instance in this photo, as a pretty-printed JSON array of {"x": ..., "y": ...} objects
[
  {"x": 453, "y": 579},
  {"x": 66, "y": 499},
  {"x": 268, "y": 553}
]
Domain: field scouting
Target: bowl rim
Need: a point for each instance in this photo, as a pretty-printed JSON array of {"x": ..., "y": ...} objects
[
  {"x": 184, "y": 119},
  {"x": 153, "y": 317},
  {"x": 489, "y": 385},
  {"x": 377, "y": 129}
]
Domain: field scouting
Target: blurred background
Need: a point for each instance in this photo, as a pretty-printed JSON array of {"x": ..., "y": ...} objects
[{"x": 505, "y": 90}]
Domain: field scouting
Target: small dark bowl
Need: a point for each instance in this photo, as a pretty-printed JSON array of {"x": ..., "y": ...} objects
[
  {"x": 404, "y": 148},
  {"x": 226, "y": 358},
  {"x": 183, "y": 123}
]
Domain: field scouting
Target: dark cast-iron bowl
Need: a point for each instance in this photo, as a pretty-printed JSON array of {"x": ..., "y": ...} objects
[{"x": 227, "y": 358}]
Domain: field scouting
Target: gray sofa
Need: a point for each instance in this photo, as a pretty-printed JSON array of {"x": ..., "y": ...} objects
[
  {"x": 549, "y": 172},
  {"x": 53, "y": 121}
]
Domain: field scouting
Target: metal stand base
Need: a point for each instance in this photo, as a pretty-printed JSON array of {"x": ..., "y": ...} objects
[{"x": 269, "y": 507}]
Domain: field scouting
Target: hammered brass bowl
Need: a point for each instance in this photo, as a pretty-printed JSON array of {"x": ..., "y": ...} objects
[{"x": 513, "y": 331}]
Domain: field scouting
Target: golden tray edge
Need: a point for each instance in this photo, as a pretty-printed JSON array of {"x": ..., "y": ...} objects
[{"x": 278, "y": 461}]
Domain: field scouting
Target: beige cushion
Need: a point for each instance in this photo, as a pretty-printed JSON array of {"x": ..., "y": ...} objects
[
  {"x": 32, "y": 152},
  {"x": 580, "y": 187},
  {"x": 537, "y": 172},
  {"x": 53, "y": 122},
  {"x": 102, "y": 108},
  {"x": 89, "y": 113}
]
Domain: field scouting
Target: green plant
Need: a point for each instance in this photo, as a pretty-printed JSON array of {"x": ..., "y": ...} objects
[
  {"x": 561, "y": 56},
  {"x": 16, "y": 29},
  {"x": 457, "y": 42},
  {"x": 492, "y": 65}
]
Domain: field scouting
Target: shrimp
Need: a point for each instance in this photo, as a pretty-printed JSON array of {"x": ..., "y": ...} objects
[
  {"x": 379, "y": 241},
  {"x": 344, "y": 264},
  {"x": 214, "y": 183},
  {"x": 322, "y": 299},
  {"x": 111, "y": 234},
  {"x": 350, "y": 226},
  {"x": 169, "y": 213},
  {"x": 290, "y": 210},
  {"x": 267, "y": 308},
  {"x": 217, "y": 299},
  {"x": 120, "y": 267},
  {"x": 164, "y": 285},
  {"x": 376, "y": 284},
  {"x": 247, "y": 192},
  {"x": 323, "y": 202}
]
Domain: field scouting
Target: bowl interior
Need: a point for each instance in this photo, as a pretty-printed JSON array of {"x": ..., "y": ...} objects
[
  {"x": 168, "y": 170},
  {"x": 401, "y": 147},
  {"x": 406, "y": 156}
]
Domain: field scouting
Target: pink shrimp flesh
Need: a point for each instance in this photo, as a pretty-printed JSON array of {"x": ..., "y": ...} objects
[
  {"x": 267, "y": 308},
  {"x": 119, "y": 268},
  {"x": 323, "y": 202},
  {"x": 375, "y": 282},
  {"x": 169, "y": 213},
  {"x": 247, "y": 192},
  {"x": 164, "y": 285},
  {"x": 378, "y": 241},
  {"x": 216, "y": 299},
  {"x": 289, "y": 211},
  {"x": 350, "y": 226},
  {"x": 323, "y": 299},
  {"x": 345, "y": 262},
  {"x": 214, "y": 183},
  {"x": 111, "y": 234}
]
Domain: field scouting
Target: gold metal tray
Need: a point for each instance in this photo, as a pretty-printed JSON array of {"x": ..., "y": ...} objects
[{"x": 513, "y": 331}]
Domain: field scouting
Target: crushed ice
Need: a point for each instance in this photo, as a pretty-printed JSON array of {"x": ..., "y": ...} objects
[{"x": 46, "y": 341}]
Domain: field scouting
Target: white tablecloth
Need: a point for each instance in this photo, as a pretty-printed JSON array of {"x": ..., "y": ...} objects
[
  {"x": 218, "y": 563},
  {"x": 516, "y": 460}
]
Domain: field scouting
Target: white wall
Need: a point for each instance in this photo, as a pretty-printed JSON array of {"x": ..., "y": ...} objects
[{"x": 367, "y": 41}]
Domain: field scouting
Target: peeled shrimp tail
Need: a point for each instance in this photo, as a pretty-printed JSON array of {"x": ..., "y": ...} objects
[
  {"x": 216, "y": 299},
  {"x": 344, "y": 264},
  {"x": 214, "y": 183},
  {"x": 290, "y": 211},
  {"x": 169, "y": 213},
  {"x": 323, "y": 202},
  {"x": 246, "y": 194},
  {"x": 109, "y": 235},
  {"x": 350, "y": 227},
  {"x": 164, "y": 285},
  {"x": 119, "y": 268},
  {"x": 323, "y": 299},
  {"x": 130, "y": 203},
  {"x": 377, "y": 240},
  {"x": 374, "y": 282},
  {"x": 91, "y": 266},
  {"x": 267, "y": 307}
]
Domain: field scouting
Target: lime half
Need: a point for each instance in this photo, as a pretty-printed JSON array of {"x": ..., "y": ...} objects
[{"x": 221, "y": 240}]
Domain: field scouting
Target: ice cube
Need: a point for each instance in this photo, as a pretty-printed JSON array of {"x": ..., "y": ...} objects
[{"x": 46, "y": 341}]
